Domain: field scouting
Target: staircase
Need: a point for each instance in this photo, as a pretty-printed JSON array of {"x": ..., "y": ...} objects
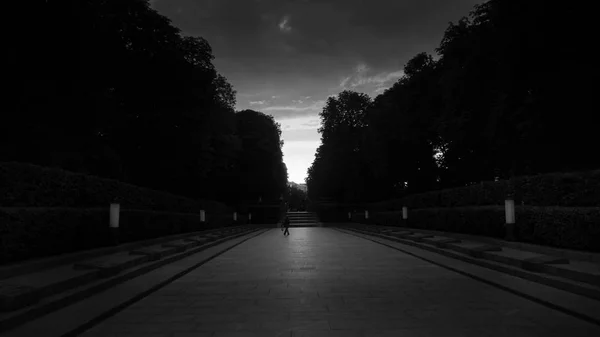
[{"x": 303, "y": 219}]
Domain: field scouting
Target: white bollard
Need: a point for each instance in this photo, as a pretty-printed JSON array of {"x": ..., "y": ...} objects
[
  {"x": 404, "y": 213},
  {"x": 234, "y": 216},
  {"x": 367, "y": 215},
  {"x": 114, "y": 215},
  {"x": 202, "y": 216},
  {"x": 349, "y": 216},
  {"x": 509, "y": 207},
  {"x": 249, "y": 216}
]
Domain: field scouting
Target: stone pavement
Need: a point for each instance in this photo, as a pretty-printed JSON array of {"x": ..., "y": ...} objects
[{"x": 323, "y": 282}]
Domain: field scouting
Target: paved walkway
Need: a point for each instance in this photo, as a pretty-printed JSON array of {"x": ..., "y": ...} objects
[{"x": 322, "y": 282}]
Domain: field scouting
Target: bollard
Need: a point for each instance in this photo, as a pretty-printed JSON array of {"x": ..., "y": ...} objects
[
  {"x": 115, "y": 210},
  {"x": 405, "y": 216},
  {"x": 234, "y": 216},
  {"x": 366, "y": 215},
  {"x": 509, "y": 207},
  {"x": 349, "y": 216},
  {"x": 249, "y": 218},
  {"x": 202, "y": 216}
]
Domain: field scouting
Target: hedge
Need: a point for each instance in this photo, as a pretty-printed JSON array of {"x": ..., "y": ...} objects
[
  {"x": 27, "y": 185},
  {"x": 579, "y": 189},
  {"x": 41, "y": 232},
  {"x": 562, "y": 227},
  {"x": 332, "y": 212},
  {"x": 558, "y": 209},
  {"x": 266, "y": 214},
  {"x": 48, "y": 211}
]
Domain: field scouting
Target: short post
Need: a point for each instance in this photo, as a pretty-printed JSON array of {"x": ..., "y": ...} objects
[
  {"x": 202, "y": 217},
  {"x": 509, "y": 207},
  {"x": 249, "y": 218},
  {"x": 404, "y": 215},
  {"x": 349, "y": 216},
  {"x": 234, "y": 217},
  {"x": 115, "y": 210},
  {"x": 366, "y": 215}
]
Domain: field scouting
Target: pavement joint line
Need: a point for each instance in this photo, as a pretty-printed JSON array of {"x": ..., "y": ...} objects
[
  {"x": 115, "y": 310},
  {"x": 34, "y": 313},
  {"x": 106, "y": 315},
  {"x": 525, "y": 269},
  {"x": 480, "y": 279},
  {"x": 98, "y": 319},
  {"x": 24, "y": 267}
]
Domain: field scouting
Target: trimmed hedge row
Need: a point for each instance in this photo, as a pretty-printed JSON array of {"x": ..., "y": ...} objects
[
  {"x": 332, "y": 212},
  {"x": 268, "y": 214},
  {"x": 42, "y": 232},
  {"x": 581, "y": 189},
  {"x": 49, "y": 211},
  {"x": 562, "y": 227},
  {"x": 27, "y": 185}
]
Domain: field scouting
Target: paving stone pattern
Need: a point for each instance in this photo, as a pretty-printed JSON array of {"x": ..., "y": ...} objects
[{"x": 321, "y": 282}]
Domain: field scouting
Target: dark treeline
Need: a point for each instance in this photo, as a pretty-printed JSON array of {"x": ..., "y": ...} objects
[
  {"x": 296, "y": 198},
  {"x": 112, "y": 88},
  {"x": 509, "y": 93}
]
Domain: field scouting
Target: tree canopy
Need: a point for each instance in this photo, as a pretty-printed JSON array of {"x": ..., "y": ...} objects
[
  {"x": 509, "y": 93},
  {"x": 112, "y": 88}
]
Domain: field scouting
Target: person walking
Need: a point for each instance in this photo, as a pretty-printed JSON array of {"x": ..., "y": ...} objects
[{"x": 286, "y": 225}]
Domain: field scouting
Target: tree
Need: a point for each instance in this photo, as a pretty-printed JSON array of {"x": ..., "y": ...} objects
[
  {"x": 260, "y": 168},
  {"x": 296, "y": 198},
  {"x": 494, "y": 104},
  {"x": 121, "y": 93},
  {"x": 337, "y": 167}
]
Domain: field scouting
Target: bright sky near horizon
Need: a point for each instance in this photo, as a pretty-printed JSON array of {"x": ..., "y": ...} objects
[{"x": 285, "y": 57}]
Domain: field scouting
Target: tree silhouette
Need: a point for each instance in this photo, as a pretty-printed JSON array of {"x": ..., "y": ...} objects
[
  {"x": 120, "y": 93},
  {"x": 510, "y": 94}
]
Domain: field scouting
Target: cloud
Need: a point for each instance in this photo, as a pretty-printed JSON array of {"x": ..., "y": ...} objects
[
  {"x": 295, "y": 110},
  {"x": 360, "y": 78},
  {"x": 317, "y": 46},
  {"x": 345, "y": 81},
  {"x": 257, "y": 102},
  {"x": 378, "y": 80},
  {"x": 379, "y": 90},
  {"x": 313, "y": 123},
  {"x": 301, "y": 129},
  {"x": 307, "y": 122},
  {"x": 284, "y": 24},
  {"x": 376, "y": 83},
  {"x": 362, "y": 68}
]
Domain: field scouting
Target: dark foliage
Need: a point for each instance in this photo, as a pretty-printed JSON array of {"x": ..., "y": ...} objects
[
  {"x": 112, "y": 89},
  {"x": 509, "y": 94}
]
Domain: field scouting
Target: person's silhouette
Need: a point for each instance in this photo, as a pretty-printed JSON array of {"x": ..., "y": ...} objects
[{"x": 286, "y": 225}]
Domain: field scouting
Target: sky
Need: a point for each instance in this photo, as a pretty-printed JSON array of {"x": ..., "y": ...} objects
[{"x": 285, "y": 57}]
